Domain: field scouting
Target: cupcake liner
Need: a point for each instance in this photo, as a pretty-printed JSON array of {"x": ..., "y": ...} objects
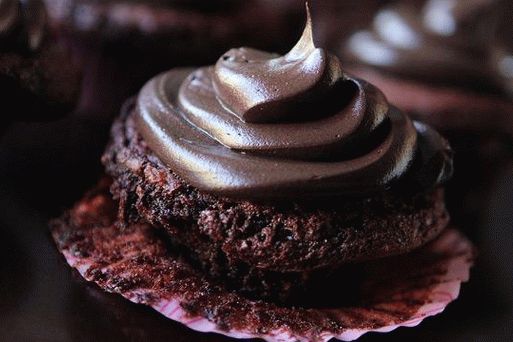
[{"x": 136, "y": 263}]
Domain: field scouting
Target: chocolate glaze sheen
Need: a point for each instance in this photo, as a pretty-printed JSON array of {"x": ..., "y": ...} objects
[
  {"x": 259, "y": 126},
  {"x": 22, "y": 25},
  {"x": 440, "y": 41}
]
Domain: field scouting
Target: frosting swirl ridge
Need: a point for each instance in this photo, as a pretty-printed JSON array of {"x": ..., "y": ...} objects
[{"x": 267, "y": 127}]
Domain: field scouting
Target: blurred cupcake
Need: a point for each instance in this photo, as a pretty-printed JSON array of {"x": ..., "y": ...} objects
[
  {"x": 433, "y": 59},
  {"x": 124, "y": 42},
  {"x": 439, "y": 61},
  {"x": 37, "y": 77},
  {"x": 271, "y": 197},
  {"x": 336, "y": 20},
  {"x": 181, "y": 31}
]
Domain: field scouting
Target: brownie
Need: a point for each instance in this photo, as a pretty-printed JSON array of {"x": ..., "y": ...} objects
[{"x": 243, "y": 241}]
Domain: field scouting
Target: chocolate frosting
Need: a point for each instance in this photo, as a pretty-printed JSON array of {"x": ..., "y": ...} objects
[
  {"x": 442, "y": 41},
  {"x": 265, "y": 127},
  {"x": 22, "y": 24}
]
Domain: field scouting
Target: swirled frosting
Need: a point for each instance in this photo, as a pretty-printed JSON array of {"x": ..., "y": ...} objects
[
  {"x": 22, "y": 24},
  {"x": 266, "y": 127},
  {"x": 442, "y": 41}
]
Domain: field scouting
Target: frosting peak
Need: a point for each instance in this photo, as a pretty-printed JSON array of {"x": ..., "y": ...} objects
[
  {"x": 275, "y": 88},
  {"x": 260, "y": 126}
]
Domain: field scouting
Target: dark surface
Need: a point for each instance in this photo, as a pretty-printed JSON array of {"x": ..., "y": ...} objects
[{"x": 45, "y": 167}]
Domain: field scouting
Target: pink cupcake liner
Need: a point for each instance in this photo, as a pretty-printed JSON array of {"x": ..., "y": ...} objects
[{"x": 403, "y": 290}]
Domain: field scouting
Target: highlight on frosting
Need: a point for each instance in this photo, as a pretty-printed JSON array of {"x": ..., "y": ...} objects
[
  {"x": 437, "y": 40},
  {"x": 261, "y": 126},
  {"x": 22, "y": 24}
]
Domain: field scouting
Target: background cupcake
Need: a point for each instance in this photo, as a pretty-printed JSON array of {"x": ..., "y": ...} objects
[
  {"x": 37, "y": 77},
  {"x": 435, "y": 60}
]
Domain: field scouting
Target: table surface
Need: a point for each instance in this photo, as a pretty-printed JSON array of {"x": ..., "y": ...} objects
[{"x": 42, "y": 299}]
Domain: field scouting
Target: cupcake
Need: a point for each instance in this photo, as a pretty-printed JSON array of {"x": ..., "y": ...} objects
[
  {"x": 124, "y": 42},
  {"x": 433, "y": 59},
  {"x": 37, "y": 78},
  {"x": 440, "y": 61},
  {"x": 271, "y": 197}
]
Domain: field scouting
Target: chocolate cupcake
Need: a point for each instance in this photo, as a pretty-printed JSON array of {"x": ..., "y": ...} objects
[
  {"x": 37, "y": 78},
  {"x": 440, "y": 61},
  {"x": 434, "y": 60},
  {"x": 254, "y": 194}
]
